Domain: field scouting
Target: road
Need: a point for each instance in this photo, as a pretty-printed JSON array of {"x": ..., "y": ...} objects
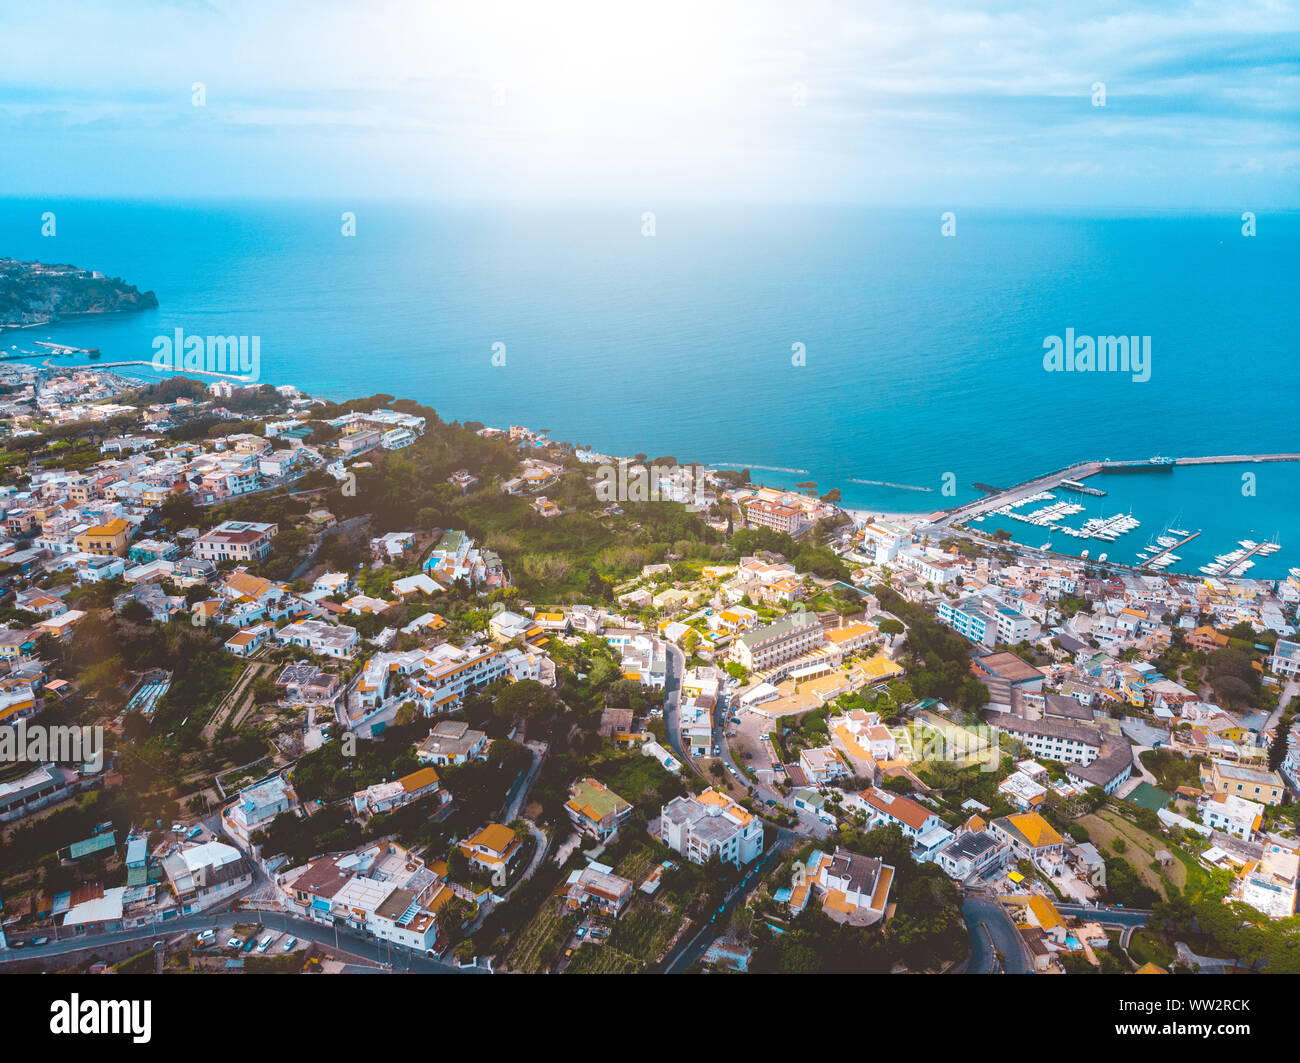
[
  {"x": 689, "y": 951},
  {"x": 991, "y": 928},
  {"x": 519, "y": 791},
  {"x": 1108, "y": 916},
  {"x": 763, "y": 791},
  {"x": 349, "y": 941}
]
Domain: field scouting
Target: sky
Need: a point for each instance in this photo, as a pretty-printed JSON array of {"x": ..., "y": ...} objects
[{"x": 624, "y": 101}]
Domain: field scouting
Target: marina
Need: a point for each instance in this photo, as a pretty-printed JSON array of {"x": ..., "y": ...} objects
[{"x": 1186, "y": 512}]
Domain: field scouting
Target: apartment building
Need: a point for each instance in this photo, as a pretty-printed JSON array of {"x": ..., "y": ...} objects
[
  {"x": 105, "y": 539},
  {"x": 1070, "y": 743},
  {"x": 710, "y": 824},
  {"x": 769, "y": 647},
  {"x": 236, "y": 540},
  {"x": 777, "y": 516},
  {"x": 1250, "y": 783},
  {"x": 1285, "y": 659},
  {"x": 1231, "y": 814}
]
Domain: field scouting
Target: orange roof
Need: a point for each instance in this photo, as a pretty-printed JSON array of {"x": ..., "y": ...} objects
[
  {"x": 495, "y": 836},
  {"x": 418, "y": 780},
  {"x": 1044, "y": 911},
  {"x": 1036, "y": 830}
]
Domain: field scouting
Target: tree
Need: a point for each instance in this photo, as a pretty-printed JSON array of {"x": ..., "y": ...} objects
[{"x": 1277, "y": 751}]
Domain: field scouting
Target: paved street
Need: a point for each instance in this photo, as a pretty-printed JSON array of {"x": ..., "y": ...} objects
[{"x": 991, "y": 928}]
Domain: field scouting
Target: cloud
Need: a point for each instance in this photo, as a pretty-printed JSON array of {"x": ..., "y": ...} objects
[{"x": 672, "y": 99}]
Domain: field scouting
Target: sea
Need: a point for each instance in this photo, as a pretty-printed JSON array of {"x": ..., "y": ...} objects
[{"x": 857, "y": 348}]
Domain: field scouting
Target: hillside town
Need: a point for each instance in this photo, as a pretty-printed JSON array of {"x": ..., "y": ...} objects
[{"x": 378, "y": 690}]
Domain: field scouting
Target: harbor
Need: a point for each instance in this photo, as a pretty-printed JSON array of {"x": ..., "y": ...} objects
[{"x": 1198, "y": 505}]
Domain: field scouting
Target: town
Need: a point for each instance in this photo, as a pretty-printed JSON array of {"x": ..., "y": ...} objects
[{"x": 383, "y": 692}]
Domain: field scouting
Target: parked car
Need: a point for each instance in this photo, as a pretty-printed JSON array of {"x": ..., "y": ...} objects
[
  {"x": 288, "y": 945},
  {"x": 265, "y": 943},
  {"x": 207, "y": 937},
  {"x": 234, "y": 943}
]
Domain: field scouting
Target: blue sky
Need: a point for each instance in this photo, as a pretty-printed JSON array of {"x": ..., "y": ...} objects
[{"x": 675, "y": 100}]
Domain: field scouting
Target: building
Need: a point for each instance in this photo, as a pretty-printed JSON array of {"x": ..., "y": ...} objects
[
  {"x": 1109, "y": 770},
  {"x": 201, "y": 876},
  {"x": 593, "y": 887},
  {"x": 1231, "y": 814},
  {"x": 1070, "y": 743},
  {"x": 1250, "y": 783},
  {"x": 493, "y": 849},
  {"x": 1269, "y": 885},
  {"x": 970, "y": 854},
  {"x": 595, "y": 810},
  {"x": 236, "y": 540},
  {"x": 711, "y": 824},
  {"x": 383, "y": 890},
  {"x": 452, "y": 742},
  {"x": 105, "y": 539},
  {"x": 923, "y": 826},
  {"x": 778, "y": 517},
  {"x": 853, "y": 888},
  {"x": 765, "y": 648},
  {"x": 1027, "y": 835},
  {"x": 255, "y": 808},
  {"x": 1285, "y": 659},
  {"x": 387, "y": 796},
  {"x": 328, "y": 640},
  {"x": 1022, "y": 792},
  {"x": 822, "y": 765}
]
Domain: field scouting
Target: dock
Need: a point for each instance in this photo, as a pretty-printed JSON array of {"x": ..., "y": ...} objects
[
  {"x": 1083, "y": 489},
  {"x": 1169, "y": 549},
  {"x": 1232, "y": 569}
]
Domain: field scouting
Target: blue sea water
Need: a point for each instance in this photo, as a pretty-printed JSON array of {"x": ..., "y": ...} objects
[{"x": 924, "y": 353}]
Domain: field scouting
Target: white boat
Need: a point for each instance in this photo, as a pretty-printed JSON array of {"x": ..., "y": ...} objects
[{"x": 1101, "y": 557}]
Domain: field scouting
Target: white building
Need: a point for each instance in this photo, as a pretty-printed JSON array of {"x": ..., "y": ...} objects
[{"x": 712, "y": 824}]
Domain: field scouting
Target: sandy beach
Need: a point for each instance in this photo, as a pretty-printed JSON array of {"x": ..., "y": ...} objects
[{"x": 861, "y": 516}]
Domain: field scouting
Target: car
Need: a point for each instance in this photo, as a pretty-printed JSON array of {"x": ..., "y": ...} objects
[
  {"x": 716, "y": 752},
  {"x": 265, "y": 943},
  {"x": 288, "y": 944},
  {"x": 234, "y": 943},
  {"x": 582, "y": 931},
  {"x": 733, "y": 771},
  {"x": 568, "y": 953},
  {"x": 46, "y": 941},
  {"x": 250, "y": 944},
  {"x": 207, "y": 937},
  {"x": 178, "y": 828}
]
